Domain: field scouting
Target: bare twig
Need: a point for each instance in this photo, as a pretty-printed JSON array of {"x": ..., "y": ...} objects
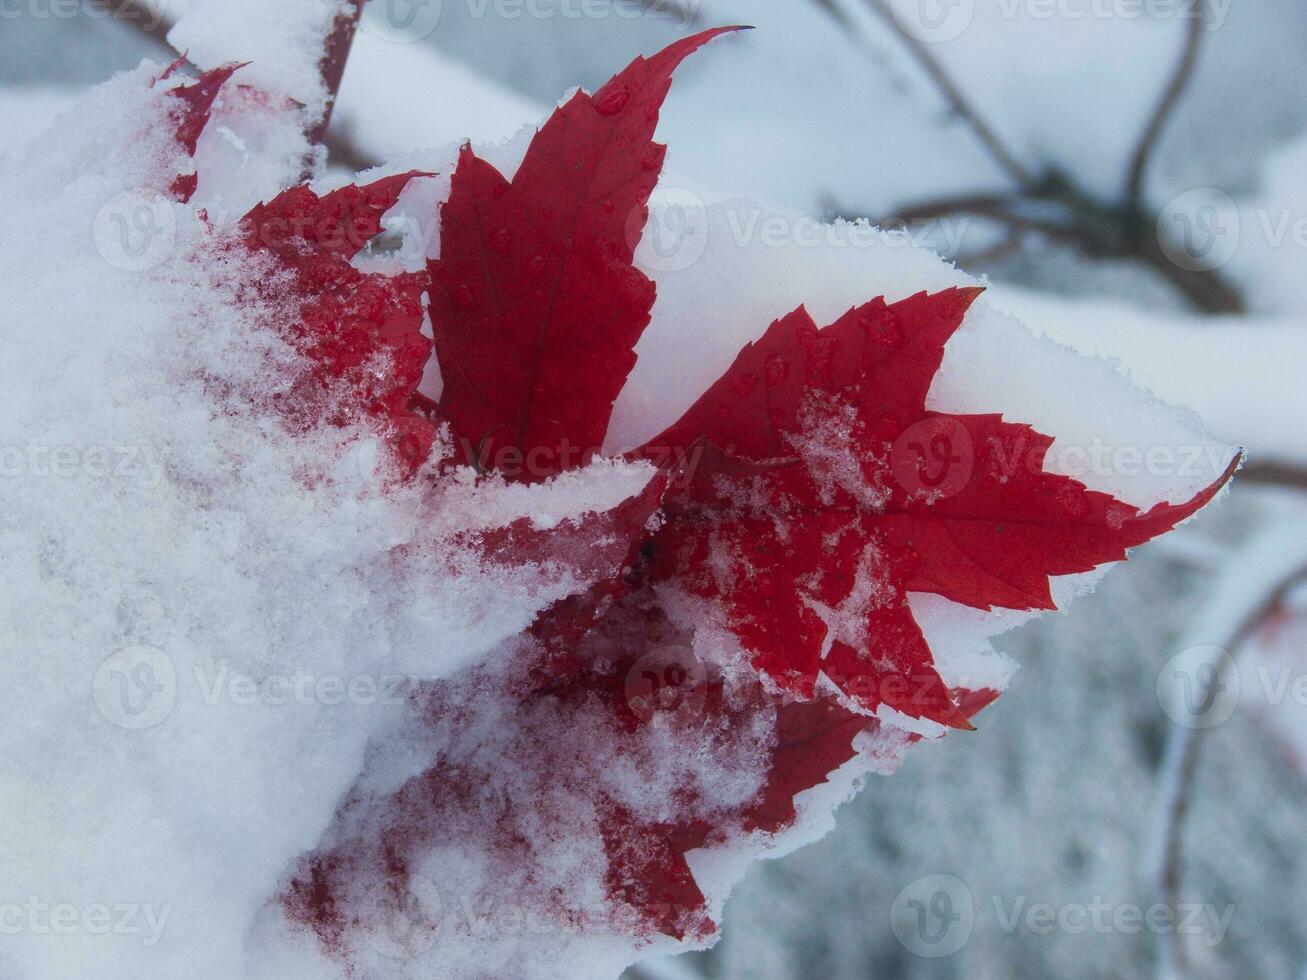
[
  {"x": 838, "y": 14},
  {"x": 1166, "y": 106},
  {"x": 1057, "y": 210},
  {"x": 959, "y": 103},
  {"x": 1185, "y": 748},
  {"x": 1275, "y": 475},
  {"x": 1050, "y": 204}
]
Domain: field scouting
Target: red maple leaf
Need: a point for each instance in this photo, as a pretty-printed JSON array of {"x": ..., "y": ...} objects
[
  {"x": 196, "y": 104},
  {"x": 359, "y": 333},
  {"x": 535, "y": 300},
  {"x": 835, "y": 493},
  {"x": 825, "y": 495}
]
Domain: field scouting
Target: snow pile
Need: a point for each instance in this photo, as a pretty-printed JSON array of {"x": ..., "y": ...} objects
[
  {"x": 199, "y": 643},
  {"x": 240, "y": 664},
  {"x": 282, "y": 41}
]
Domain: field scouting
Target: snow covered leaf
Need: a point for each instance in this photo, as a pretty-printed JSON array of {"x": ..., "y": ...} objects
[
  {"x": 360, "y": 333},
  {"x": 836, "y": 493},
  {"x": 196, "y": 100},
  {"x": 535, "y": 301}
]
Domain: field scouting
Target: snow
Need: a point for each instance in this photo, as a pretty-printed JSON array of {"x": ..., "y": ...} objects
[
  {"x": 162, "y": 543},
  {"x": 1243, "y": 375},
  {"x": 26, "y": 113},
  {"x": 282, "y": 41},
  {"x": 456, "y": 103},
  {"x": 201, "y": 638}
]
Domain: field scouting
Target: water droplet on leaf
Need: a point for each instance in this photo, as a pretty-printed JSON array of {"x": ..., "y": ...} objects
[{"x": 611, "y": 99}]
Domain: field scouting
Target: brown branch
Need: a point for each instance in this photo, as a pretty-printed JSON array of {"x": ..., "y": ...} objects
[
  {"x": 1206, "y": 289},
  {"x": 954, "y": 96},
  {"x": 1093, "y": 229},
  {"x": 1097, "y": 230},
  {"x": 1275, "y": 475},
  {"x": 1166, "y": 106}
]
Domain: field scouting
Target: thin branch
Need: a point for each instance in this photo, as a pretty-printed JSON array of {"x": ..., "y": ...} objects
[
  {"x": 1185, "y": 748},
  {"x": 954, "y": 96},
  {"x": 1095, "y": 231},
  {"x": 1166, "y": 106},
  {"x": 1275, "y": 475},
  {"x": 1206, "y": 289},
  {"x": 837, "y": 13}
]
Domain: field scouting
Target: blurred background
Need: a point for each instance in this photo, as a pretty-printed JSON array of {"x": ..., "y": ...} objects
[{"x": 1129, "y": 174}]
